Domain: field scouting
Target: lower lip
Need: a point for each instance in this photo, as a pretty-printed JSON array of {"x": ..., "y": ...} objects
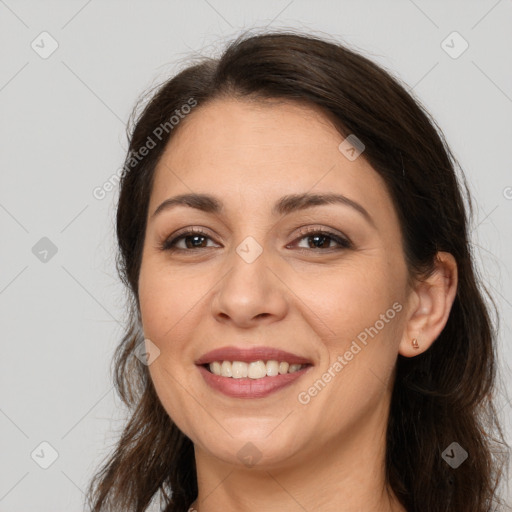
[{"x": 250, "y": 388}]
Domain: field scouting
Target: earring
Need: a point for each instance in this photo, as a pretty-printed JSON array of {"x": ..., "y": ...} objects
[{"x": 415, "y": 343}]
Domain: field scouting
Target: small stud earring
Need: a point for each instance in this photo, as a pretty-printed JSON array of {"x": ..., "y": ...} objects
[{"x": 415, "y": 343}]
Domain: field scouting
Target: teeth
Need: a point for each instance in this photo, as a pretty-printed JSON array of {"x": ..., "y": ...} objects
[
  {"x": 253, "y": 370},
  {"x": 225, "y": 369},
  {"x": 215, "y": 368},
  {"x": 257, "y": 370},
  {"x": 272, "y": 368},
  {"x": 239, "y": 369}
]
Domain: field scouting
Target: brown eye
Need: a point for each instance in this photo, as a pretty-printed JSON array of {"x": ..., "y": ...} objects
[
  {"x": 192, "y": 240},
  {"x": 316, "y": 240},
  {"x": 323, "y": 240}
]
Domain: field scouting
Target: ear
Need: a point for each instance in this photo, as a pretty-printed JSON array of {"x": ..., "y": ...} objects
[{"x": 429, "y": 306}]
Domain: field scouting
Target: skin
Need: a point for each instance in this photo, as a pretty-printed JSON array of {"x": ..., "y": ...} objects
[{"x": 328, "y": 454}]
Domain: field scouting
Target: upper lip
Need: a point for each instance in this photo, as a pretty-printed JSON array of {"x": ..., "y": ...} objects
[{"x": 248, "y": 355}]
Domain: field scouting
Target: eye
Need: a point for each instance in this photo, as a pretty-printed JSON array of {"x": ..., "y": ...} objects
[
  {"x": 317, "y": 240},
  {"x": 192, "y": 238},
  {"x": 322, "y": 239}
]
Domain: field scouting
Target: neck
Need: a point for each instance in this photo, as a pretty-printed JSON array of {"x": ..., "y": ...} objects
[{"x": 346, "y": 474}]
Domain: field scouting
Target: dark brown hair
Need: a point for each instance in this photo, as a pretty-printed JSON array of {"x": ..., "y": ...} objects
[{"x": 441, "y": 396}]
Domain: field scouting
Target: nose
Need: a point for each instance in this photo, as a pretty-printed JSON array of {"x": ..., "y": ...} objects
[{"x": 250, "y": 294}]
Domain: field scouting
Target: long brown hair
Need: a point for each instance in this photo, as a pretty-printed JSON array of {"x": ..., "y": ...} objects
[{"x": 441, "y": 396}]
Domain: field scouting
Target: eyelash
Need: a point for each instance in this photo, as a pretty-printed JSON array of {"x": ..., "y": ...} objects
[{"x": 344, "y": 243}]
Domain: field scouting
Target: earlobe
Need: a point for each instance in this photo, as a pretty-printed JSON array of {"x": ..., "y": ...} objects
[{"x": 434, "y": 298}]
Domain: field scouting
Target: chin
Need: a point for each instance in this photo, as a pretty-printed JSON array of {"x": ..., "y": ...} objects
[{"x": 253, "y": 448}]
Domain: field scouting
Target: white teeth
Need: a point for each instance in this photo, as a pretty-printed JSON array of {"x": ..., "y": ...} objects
[
  {"x": 253, "y": 370},
  {"x": 239, "y": 369},
  {"x": 215, "y": 367},
  {"x": 225, "y": 369},
  {"x": 272, "y": 368},
  {"x": 257, "y": 370},
  {"x": 283, "y": 368}
]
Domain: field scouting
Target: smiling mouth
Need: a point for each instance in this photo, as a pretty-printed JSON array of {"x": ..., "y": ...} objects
[{"x": 255, "y": 370}]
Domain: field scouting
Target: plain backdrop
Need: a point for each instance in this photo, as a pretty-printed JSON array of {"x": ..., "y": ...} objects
[{"x": 70, "y": 75}]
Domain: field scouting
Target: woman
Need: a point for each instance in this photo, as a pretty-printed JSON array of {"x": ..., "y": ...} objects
[{"x": 307, "y": 331}]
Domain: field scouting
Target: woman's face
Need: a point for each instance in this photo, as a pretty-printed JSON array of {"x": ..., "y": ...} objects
[{"x": 322, "y": 281}]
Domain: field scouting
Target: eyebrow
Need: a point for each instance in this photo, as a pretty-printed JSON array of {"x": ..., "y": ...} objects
[{"x": 284, "y": 206}]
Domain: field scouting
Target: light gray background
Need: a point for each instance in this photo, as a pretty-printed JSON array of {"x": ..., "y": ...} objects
[{"x": 62, "y": 123}]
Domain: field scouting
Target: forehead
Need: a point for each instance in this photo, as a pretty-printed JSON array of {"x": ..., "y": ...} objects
[
  {"x": 268, "y": 129},
  {"x": 262, "y": 150}
]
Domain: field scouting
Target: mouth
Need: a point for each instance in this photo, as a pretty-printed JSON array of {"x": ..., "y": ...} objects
[
  {"x": 253, "y": 370},
  {"x": 251, "y": 373}
]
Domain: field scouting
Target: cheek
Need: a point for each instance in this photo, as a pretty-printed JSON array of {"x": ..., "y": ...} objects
[
  {"x": 361, "y": 309},
  {"x": 352, "y": 298},
  {"x": 173, "y": 305},
  {"x": 166, "y": 298},
  {"x": 167, "y": 309},
  {"x": 156, "y": 305}
]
